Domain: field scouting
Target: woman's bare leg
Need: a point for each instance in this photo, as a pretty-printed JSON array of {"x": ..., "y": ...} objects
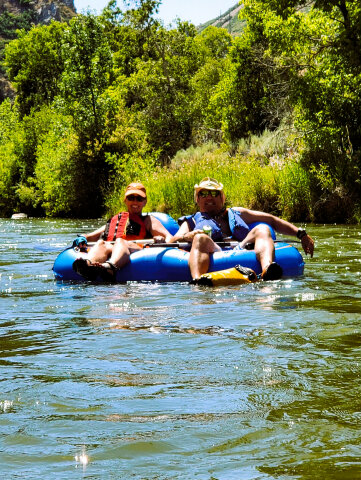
[
  {"x": 120, "y": 253},
  {"x": 100, "y": 252}
]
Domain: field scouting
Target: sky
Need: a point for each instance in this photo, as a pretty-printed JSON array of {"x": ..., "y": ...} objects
[{"x": 195, "y": 11}]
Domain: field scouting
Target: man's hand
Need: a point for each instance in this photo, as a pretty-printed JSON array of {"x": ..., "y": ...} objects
[{"x": 308, "y": 245}]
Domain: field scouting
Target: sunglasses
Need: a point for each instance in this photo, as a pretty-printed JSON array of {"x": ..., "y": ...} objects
[
  {"x": 135, "y": 198},
  {"x": 212, "y": 193}
]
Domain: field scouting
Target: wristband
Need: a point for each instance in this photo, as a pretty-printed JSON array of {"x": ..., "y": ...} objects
[{"x": 301, "y": 233}]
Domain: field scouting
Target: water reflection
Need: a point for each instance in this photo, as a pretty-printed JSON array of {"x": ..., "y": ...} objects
[{"x": 176, "y": 381}]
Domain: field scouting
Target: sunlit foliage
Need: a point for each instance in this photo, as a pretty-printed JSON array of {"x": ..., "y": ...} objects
[{"x": 107, "y": 99}]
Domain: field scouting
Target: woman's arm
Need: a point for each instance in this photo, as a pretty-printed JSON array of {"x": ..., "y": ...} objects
[
  {"x": 94, "y": 236},
  {"x": 157, "y": 229}
]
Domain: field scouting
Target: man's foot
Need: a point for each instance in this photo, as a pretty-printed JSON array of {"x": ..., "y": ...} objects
[
  {"x": 203, "y": 280},
  {"x": 86, "y": 268},
  {"x": 272, "y": 272}
]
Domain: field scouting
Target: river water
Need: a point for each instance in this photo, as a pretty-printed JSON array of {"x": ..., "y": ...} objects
[{"x": 174, "y": 381}]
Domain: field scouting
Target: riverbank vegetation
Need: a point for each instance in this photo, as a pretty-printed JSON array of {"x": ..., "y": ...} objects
[{"x": 103, "y": 100}]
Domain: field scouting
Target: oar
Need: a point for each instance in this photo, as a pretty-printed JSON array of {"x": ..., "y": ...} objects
[
  {"x": 230, "y": 243},
  {"x": 187, "y": 244},
  {"x": 47, "y": 248},
  {"x": 287, "y": 240},
  {"x": 150, "y": 243}
]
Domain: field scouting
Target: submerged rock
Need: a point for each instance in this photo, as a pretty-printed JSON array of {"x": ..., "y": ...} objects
[{"x": 18, "y": 216}]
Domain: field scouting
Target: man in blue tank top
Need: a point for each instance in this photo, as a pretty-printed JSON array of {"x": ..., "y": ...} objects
[{"x": 214, "y": 223}]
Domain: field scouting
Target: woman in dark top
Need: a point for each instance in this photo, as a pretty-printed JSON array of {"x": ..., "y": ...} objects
[{"x": 114, "y": 239}]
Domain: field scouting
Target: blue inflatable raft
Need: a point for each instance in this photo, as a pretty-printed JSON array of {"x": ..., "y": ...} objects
[{"x": 170, "y": 264}]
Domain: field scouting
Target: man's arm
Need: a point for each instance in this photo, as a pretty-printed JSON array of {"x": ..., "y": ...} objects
[
  {"x": 182, "y": 232},
  {"x": 279, "y": 225}
]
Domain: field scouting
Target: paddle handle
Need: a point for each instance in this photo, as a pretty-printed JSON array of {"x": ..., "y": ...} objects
[{"x": 150, "y": 243}]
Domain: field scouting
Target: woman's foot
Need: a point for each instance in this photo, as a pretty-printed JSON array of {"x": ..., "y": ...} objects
[
  {"x": 91, "y": 271},
  {"x": 86, "y": 268}
]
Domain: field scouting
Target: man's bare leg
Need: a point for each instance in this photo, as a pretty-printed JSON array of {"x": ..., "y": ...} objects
[
  {"x": 202, "y": 247},
  {"x": 263, "y": 244},
  {"x": 265, "y": 252}
]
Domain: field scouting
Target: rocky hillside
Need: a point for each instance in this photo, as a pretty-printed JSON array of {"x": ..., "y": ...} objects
[
  {"x": 228, "y": 20},
  {"x": 40, "y": 11},
  {"x": 18, "y": 14}
]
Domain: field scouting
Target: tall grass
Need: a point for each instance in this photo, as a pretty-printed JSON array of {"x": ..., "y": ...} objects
[
  {"x": 250, "y": 180},
  {"x": 262, "y": 174}
]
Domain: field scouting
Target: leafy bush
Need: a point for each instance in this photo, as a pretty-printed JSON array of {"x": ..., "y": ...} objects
[
  {"x": 57, "y": 170},
  {"x": 9, "y": 166},
  {"x": 280, "y": 187},
  {"x": 9, "y": 22},
  {"x": 294, "y": 185}
]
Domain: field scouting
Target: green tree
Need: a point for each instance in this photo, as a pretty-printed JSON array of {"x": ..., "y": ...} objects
[
  {"x": 213, "y": 44},
  {"x": 34, "y": 65},
  {"x": 59, "y": 175},
  {"x": 87, "y": 73},
  {"x": 160, "y": 89},
  {"x": 130, "y": 32},
  {"x": 317, "y": 52},
  {"x": 9, "y": 22},
  {"x": 243, "y": 103},
  {"x": 9, "y": 132}
]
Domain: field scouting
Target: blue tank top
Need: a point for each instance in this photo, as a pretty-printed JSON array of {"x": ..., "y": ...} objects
[{"x": 239, "y": 228}]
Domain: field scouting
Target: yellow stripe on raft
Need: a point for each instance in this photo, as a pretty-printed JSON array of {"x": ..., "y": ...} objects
[{"x": 231, "y": 276}]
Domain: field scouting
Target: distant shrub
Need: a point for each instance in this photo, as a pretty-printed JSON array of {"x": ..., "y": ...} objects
[{"x": 9, "y": 22}]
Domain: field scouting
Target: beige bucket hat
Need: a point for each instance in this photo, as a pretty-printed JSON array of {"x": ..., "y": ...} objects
[{"x": 207, "y": 183}]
